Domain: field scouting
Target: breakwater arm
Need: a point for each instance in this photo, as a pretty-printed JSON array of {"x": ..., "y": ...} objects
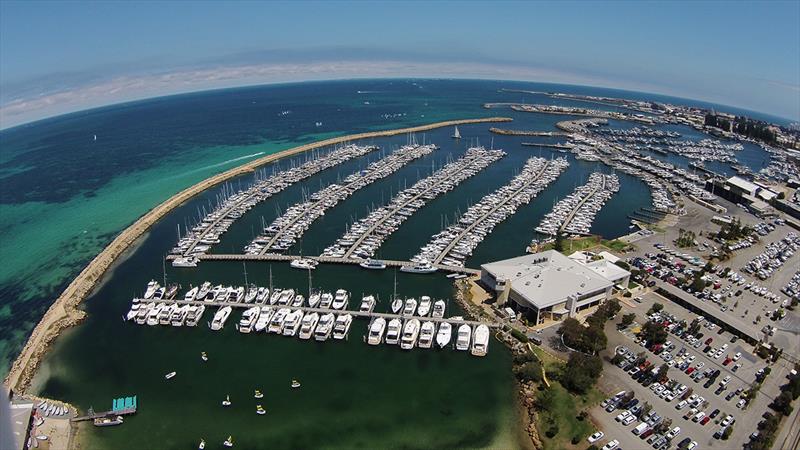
[{"x": 64, "y": 312}]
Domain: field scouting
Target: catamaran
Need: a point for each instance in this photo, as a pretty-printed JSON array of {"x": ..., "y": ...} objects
[
  {"x": 263, "y": 319},
  {"x": 220, "y": 317},
  {"x": 292, "y": 323},
  {"x": 276, "y": 324},
  {"x": 444, "y": 334},
  {"x": 410, "y": 333},
  {"x": 426, "y": 333},
  {"x": 367, "y": 304},
  {"x": 410, "y": 307},
  {"x": 341, "y": 299},
  {"x": 480, "y": 342},
  {"x": 324, "y": 327},
  {"x": 249, "y": 318},
  {"x": 342, "y": 326},
  {"x": 393, "y": 331},
  {"x": 424, "y": 306},
  {"x": 308, "y": 325},
  {"x": 463, "y": 338},
  {"x": 376, "y": 331}
]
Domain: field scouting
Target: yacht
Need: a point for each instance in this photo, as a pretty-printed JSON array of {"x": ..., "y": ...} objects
[
  {"x": 307, "y": 264},
  {"x": 424, "y": 306},
  {"x": 236, "y": 294},
  {"x": 286, "y": 297},
  {"x": 480, "y": 342},
  {"x": 252, "y": 292},
  {"x": 367, "y": 304},
  {"x": 166, "y": 314},
  {"x": 313, "y": 300},
  {"x": 204, "y": 289},
  {"x": 376, "y": 331},
  {"x": 260, "y": 410},
  {"x": 420, "y": 267},
  {"x": 426, "y": 334},
  {"x": 220, "y": 317},
  {"x": 438, "y": 309},
  {"x": 227, "y": 401},
  {"x": 298, "y": 301},
  {"x": 325, "y": 300},
  {"x": 152, "y": 314},
  {"x": 144, "y": 313},
  {"x": 178, "y": 316},
  {"x": 194, "y": 314},
  {"x": 444, "y": 334},
  {"x": 342, "y": 326},
  {"x": 228, "y": 442},
  {"x": 463, "y": 338},
  {"x": 191, "y": 294},
  {"x": 159, "y": 293},
  {"x": 276, "y": 323},
  {"x": 393, "y": 331},
  {"x": 263, "y": 319},
  {"x": 152, "y": 286},
  {"x": 341, "y": 299},
  {"x": 276, "y": 294},
  {"x": 456, "y": 134},
  {"x": 410, "y": 333},
  {"x": 171, "y": 292},
  {"x": 324, "y": 327},
  {"x": 249, "y": 318},
  {"x": 373, "y": 264},
  {"x": 170, "y": 375},
  {"x": 134, "y": 310},
  {"x": 292, "y": 323},
  {"x": 308, "y": 325},
  {"x": 397, "y": 305},
  {"x": 262, "y": 295},
  {"x": 410, "y": 307}
]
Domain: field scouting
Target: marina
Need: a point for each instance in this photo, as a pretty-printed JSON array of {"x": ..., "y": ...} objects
[
  {"x": 454, "y": 244},
  {"x": 574, "y": 214},
  {"x": 288, "y": 228},
  {"x": 364, "y": 237}
]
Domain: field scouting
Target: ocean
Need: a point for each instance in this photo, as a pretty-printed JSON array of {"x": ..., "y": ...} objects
[{"x": 64, "y": 195}]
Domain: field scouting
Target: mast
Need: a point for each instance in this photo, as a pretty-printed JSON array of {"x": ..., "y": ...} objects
[
  {"x": 270, "y": 279},
  {"x": 244, "y": 268}
]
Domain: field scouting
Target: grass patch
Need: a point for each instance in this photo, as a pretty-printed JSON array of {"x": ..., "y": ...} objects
[
  {"x": 595, "y": 243},
  {"x": 563, "y": 415}
]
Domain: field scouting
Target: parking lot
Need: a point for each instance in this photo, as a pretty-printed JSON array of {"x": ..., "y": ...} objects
[{"x": 704, "y": 395}]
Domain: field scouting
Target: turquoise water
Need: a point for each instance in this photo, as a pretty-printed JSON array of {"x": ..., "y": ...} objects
[{"x": 64, "y": 196}]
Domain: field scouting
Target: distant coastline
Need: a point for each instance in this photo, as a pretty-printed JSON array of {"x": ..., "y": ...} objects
[{"x": 64, "y": 312}]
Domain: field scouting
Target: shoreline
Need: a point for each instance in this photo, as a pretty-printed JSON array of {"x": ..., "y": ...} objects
[{"x": 64, "y": 312}]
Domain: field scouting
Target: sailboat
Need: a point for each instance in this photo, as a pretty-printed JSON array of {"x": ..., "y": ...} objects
[
  {"x": 456, "y": 134},
  {"x": 227, "y": 401},
  {"x": 228, "y": 442}
]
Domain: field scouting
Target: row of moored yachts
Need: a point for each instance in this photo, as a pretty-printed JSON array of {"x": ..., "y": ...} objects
[
  {"x": 456, "y": 243},
  {"x": 364, "y": 237},
  {"x": 289, "y": 227},
  {"x": 202, "y": 236},
  {"x": 576, "y": 212},
  {"x": 421, "y": 334}
]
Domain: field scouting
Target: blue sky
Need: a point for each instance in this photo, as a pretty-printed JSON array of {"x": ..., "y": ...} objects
[{"x": 64, "y": 56}]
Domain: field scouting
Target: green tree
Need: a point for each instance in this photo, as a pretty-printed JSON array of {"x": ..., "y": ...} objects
[
  {"x": 627, "y": 319},
  {"x": 581, "y": 372},
  {"x": 655, "y": 308}
]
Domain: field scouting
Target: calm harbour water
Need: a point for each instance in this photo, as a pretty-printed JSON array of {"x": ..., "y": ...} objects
[{"x": 353, "y": 395}]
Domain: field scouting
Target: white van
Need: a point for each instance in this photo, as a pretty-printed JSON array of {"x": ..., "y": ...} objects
[{"x": 641, "y": 428}]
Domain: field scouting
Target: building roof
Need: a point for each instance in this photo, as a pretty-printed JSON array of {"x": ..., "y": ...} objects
[
  {"x": 547, "y": 278},
  {"x": 608, "y": 270},
  {"x": 743, "y": 184},
  {"x": 609, "y": 256}
]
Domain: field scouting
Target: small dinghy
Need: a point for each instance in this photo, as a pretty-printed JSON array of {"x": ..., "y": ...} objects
[
  {"x": 295, "y": 384},
  {"x": 258, "y": 394},
  {"x": 260, "y": 410},
  {"x": 170, "y": 375},
  {"x": 227, "y": 401}
]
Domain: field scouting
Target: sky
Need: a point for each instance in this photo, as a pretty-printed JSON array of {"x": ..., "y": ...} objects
[{"x": 58, "y": 57}]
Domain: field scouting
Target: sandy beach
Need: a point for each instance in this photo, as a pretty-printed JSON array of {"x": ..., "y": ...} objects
[{"x": 64, "y": 312}]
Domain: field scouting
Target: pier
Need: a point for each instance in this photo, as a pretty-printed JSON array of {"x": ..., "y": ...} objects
[
  {"x": 307, "y": 309},
  {"x": 537, "y": 144},
  {"x": 526, "y": 132},
  {"x": 575, "y": 213},
  {"x": 323, "y": 259},
  {"x": 571, "y": 215}
]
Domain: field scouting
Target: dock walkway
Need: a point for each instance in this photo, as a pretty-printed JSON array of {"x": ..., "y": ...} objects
[
  {"x": 308, "y": 309},
  {"x": 98, "y": 415},
  {"x": 577, "y": 207}
]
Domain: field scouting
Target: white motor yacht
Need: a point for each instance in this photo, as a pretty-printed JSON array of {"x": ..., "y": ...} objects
[
  {"x": 326, "y": 299},
  {"x": 464, "y": 337},
  {"x": 313, "y": 300},
  {"x": 480, "y": 341},
  {"x": 152, "y": 286},
  {"x": 144, "y": 313},
  {"x": 249, "y": 318},
  {"x": 179, "y": 315},
  {"x": 444, "y": 334},
  {"x": 373, "y": 264},
  {"x": 291, "y": 325},
  {"x": 194, "y": 315},
  {"x": 276, "y": 323},
  {"x": 133, "y": 311},
  {"x": 220, "y": 317},
  {"x": 438, "y": 309},
  {"x": 191, "y": 294},
  {"x": 342, "y": 326},
  {"x": 397, "y": 305},
  {"x": 306, "y": 264},
  {"x": 152, "y": 314},
  {"x": 204, "y": 289},
  {"x": 276, "y": 294},
  {"x": 376, "y": 331},
  {"x": 298, "y": 301},
  {"x": 263, "y": 319},
  {"x": 308, "y": 325},
  {"x": 166, "y": 314},
  {"x": 410, "y": 334},
  {"x": 324, "y": 327},
  {"x": 367, "y": 304},
  {"x": 424, "y": 306},
  {"x": 426, "y": 334},
  {"x": 410, "y": 307},
  {"x": 340, "y": 299},
  {"x": 251, "y": 294},
  {"x": 421, "y": 267},
  {"x": 286, "y": 297},
  {"x": 262, "y": 296},
  {"x": 393, "y": 331}
]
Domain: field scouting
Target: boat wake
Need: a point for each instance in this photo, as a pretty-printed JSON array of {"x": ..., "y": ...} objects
[{"x": 220, "y": 164}]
